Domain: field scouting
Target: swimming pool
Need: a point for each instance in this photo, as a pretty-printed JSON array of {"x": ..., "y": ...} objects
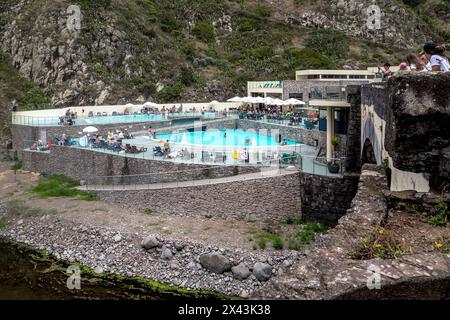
[
  {"x": 125, "y": 119},
  {"x": 224, "y": 138}
]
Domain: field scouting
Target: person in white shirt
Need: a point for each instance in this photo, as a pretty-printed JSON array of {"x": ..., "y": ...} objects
[{"x": 438, "y": 61}]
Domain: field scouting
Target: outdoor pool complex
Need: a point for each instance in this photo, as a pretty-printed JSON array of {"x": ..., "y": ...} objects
[
  {"x": 99, "y": 120},
  {"x": 223, "y": 138}
]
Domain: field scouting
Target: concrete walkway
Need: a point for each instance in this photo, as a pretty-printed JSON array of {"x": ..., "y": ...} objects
[{"x": 264, "y": 174}]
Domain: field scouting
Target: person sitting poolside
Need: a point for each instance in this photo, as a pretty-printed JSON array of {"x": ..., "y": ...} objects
[{"x": 284, "y": 143}]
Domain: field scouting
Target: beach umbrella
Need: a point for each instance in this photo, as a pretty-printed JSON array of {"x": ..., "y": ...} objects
[
  {"x": 259, "y": 100},
  {"x": 294, "y": 102},
  {"x": 90, "y": 130},
  {"x": 129, "y": 105},
  {"x": 278, "y": 102},
  {"x": 247, "y": 99},
  {"x": 235, "y": 99},
  {"x": 150, "y": 105},
  {"x": 184, "y": 139}
]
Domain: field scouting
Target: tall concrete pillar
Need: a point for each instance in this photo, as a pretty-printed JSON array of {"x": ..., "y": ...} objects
[{"x": 330, "y": 132}]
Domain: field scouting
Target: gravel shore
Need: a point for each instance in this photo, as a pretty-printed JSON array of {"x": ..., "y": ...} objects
[{"x": 172, "y": 261}]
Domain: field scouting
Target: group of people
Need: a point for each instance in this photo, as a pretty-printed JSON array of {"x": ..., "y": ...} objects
[
  {"x": 39, "y": 146},
  {"x": 432, "y": 58},
  {"x": 273, "y": 113}
]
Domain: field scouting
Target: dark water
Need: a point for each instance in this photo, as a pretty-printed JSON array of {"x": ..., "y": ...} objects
[{"x": 26, "y": 273}]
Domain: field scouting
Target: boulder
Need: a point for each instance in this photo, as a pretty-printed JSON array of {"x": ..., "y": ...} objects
[
  {"x": 262, "y": 271},
  {"x": 150, "y": 242},
  {"x": 216, "y": 263},
  {"x": 166, "y": 253},
  {"x": 240, "y": 272}
]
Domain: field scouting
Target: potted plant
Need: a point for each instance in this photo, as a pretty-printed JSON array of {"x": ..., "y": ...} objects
[{"x": 333, "y": 166}]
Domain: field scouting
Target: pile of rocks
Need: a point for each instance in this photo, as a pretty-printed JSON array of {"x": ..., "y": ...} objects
[{"x": 188, "y": 264}]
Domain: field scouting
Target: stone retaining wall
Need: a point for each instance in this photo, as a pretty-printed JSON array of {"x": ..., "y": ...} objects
[
  {"x": 267, "y": 198},
  {"x": 326, "y": 199},
  {"x": 84, "y": 164}
]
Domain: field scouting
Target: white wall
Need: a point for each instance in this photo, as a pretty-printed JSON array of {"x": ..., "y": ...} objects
[{"x": 374, "y": 128}]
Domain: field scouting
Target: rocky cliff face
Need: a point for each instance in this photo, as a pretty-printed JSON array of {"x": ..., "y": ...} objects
[
  {"x": 135, "y": 51},
  {"x": 355, "y": 18}
]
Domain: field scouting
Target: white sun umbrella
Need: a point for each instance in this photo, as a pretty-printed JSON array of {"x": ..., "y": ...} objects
[
  {"x": 248, "y": 99},
  {"x": 235, "y": 99},
  {"x": 294, "y": 102},
  {"x": 269, "y": 100},
  {"x": 90, "y": 130},
  {"x": 278, "y": 102},
  {"x": 184, "y": 139},
  {"x": 129, "y": 105},
  {"x": 260, "y": 100},
  {"x": 150, "y": 105}
]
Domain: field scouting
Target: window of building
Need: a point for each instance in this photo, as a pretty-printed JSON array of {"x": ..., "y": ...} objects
[
  {"x": 357, "y": 76},
  {"x": 298, "y": 96},
  {"x": 313, "y": 76},
  {"x": 334, "y": 76}
]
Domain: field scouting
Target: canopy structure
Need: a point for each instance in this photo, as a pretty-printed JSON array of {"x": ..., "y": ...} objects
[
  {"x": 129, "y": 105},
  {"x": 150, "y": 105},
  {"x": 214, "y": 102},
  {"x": 294, "y": 102},
  {"x": 235, "y": 99},
  {"x": 90, "y": 130}
]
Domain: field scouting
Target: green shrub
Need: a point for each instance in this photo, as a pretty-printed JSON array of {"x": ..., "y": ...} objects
[
  {"x": 204, "y": 31},
  {"x": 170, "y": 93},
  {"x": 294, "y": 221},
  {"x": 277, "y": 243},
  {"x": 441, "y": 214},
  {"x": 262, "y": 243},
  {"x": 330, "y": 43},
  {"x": 307, "y": 59},
  {"x": 169, "y": 22},
  {"x": 245, "y": 25},
  {"x": 16, "y": 166},
  {"x": 190, "y": 51},
  {"x": 186, "y": 76},
  {"x": 309, "y": 231},
  {"x": 262, "y": 11},
  {"x": 60, "y": 186},
  {"x": 149, "y": 212}
]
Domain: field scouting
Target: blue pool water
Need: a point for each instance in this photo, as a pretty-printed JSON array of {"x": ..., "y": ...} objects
[
  {"x": 125, "y": 119},
  {"x": 230, "y": 138}
]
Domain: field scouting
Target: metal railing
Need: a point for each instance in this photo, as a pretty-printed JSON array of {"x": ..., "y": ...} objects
[
  {"x": 41, "y": 121},
  {"x": 186, "y": 178}
]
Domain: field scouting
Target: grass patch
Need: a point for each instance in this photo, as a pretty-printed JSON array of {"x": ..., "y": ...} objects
[
  {"x": 2, "y": 223},
  {"x": 380, "y": 245},
  {"x": 16, "y": 166},
  {"x": 149, "y": 212},
  {"x": 294, "y": 221},
  {"x": 306, "y": 235},
  {"x": 440, "y": 217},
  {"x": 60, "y": 186},
  {"x": 263, "y": 237}
]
